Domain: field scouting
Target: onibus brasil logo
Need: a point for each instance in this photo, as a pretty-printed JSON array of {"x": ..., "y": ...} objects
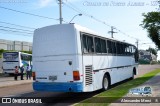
[{"x": 142, "y": 91}]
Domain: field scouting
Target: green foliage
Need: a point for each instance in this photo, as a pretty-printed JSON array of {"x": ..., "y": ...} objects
[
  {"x": 1, "y": 51},
  {"x": 141, "y": 61},
  {"x": 151, "y": 22},
  {"x": 154, "y": 62},
  {"x": 29, "y": 52},
  {"x": 117, "y": 92}
]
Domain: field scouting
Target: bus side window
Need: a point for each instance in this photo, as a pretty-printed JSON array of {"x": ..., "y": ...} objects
[
  {"x": 109, "y": 46},
  {"x": 97, "y": 45},
  {"x": 84, "y": 42},
  {"x": 87, "y": 42},
  {"x": 22, "y": 57},
  {"x": 90, "y": 44},
  {"x": 114, "y": 47},
  {"x": 130, "y": 48},
  {"x": 127, "y": 52},
  {"x": 123, "y": 49},
  {"x": 103, "y": 46},
  {"x": 118, "y": 48}
]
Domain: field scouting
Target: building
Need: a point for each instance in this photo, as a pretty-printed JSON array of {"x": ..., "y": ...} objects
[{"x": 15, "y": 45}]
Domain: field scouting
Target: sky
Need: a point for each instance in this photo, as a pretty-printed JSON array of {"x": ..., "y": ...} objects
[{"x": 124, "y": 15}]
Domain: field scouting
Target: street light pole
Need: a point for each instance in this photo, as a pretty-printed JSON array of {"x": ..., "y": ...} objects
[{"x": 74, "y": 17}]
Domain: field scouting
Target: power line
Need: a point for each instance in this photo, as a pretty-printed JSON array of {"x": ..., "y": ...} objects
[
  {"x": 96, "y": 19},
  {"x": 77, "y": 9},
  {"x": 31, "y": 14},
  {"x": 15, "y": 31},
  {"x": 16, "y": 28},
  {"x": 85, "y": 14},
  {"x": 17, "y": 25},
  {"x": 27, "y": 13}
]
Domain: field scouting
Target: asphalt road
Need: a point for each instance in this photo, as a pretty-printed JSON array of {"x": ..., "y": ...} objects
[
  {"x": 67, "y": 98},
  {"x": 143, "y": 69}
]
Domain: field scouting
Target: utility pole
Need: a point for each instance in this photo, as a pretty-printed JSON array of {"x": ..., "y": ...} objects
[
  {"x": 60, "y": 11},
  {"x": 112, "y": 32}
]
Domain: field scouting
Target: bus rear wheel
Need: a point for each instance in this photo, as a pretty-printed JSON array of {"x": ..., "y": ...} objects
[
  {"x": 133, "y": 73},
  {"x": 105, "y": 83},
  {"x": 132, "y": 76}
]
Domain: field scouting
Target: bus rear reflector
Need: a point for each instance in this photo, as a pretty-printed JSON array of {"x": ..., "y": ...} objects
[
  {"x": 76, "y": 75},
  {"x": 34, "y": 75}
]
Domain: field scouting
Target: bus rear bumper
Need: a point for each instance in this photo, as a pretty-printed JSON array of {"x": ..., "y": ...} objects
[{"x": 58, "y": 87}]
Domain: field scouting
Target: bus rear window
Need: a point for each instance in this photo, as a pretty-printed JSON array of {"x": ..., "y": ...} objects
[{"x": 10, "y": 56}]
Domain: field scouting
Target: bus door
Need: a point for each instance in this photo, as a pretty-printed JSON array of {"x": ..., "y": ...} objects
[{"x": 87, "y": 61}]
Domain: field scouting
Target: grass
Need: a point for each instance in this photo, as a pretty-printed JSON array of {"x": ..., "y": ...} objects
[{"x": 111, "y": 95}]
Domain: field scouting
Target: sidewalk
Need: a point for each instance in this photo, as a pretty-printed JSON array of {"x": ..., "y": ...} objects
[{"x": 9, "y": 81}]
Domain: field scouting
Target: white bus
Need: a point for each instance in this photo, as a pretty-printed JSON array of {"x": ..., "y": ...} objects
[
  {"x": 12, "y": 59},
  {"x": 71, "y": 58}
]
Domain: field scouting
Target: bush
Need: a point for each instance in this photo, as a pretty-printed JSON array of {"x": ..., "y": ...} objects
[
  {"x": 1, "y": 51},
  {"x": 143, "y": 61},
  {"x": 154, "y": 62},
  {"x": 29, "y": 52}
]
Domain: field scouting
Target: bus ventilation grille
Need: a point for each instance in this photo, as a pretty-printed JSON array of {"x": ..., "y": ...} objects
[{"x": 88, "y": 75}]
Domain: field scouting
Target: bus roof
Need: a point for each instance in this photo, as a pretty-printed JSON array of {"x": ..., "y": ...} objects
[{"x": 85, "y": 30}]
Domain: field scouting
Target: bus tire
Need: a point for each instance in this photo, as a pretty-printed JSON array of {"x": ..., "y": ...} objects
[
  {"x": 133, "y": 73},
  {"x": 105, "y": 83}
]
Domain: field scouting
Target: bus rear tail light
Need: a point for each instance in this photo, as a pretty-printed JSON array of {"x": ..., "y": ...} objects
[
  {"x": 34, "y": 75},
  {"x": 76, "y": 75}
]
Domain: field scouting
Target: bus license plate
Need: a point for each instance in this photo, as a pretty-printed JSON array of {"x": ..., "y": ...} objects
[{"x": 52, "y": 78}]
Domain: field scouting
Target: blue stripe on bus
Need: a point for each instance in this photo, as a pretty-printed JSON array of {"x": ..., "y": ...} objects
[{"x": 58, "y": 87}]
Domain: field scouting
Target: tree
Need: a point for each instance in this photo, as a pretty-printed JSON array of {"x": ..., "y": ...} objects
[
  {"x": 152, "y": 50},
  {"x": 151, "y": 22}
]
